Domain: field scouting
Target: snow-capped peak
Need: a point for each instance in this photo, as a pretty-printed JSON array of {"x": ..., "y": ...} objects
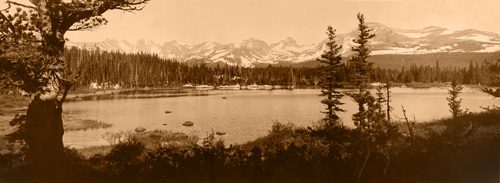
[{"x": 388, "y": 40}]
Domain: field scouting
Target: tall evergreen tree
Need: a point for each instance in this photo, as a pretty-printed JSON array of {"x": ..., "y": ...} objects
[
  {"x": 359, "y": 61},
  {"x": 454, "y": 102},
  {"x": 361, "y": 53},
  {"x": 368, "y": 121},
  {"x": 331, "y": 58},
  {"x": 388, "y": 100},
  {"x": 361, "y": 69}
]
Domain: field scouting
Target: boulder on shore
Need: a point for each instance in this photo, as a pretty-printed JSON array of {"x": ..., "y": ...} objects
[
  {"x": 188, "y": 123},
  {"x": 140, "y": 129}
]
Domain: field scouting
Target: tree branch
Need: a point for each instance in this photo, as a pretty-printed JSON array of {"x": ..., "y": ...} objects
[
  {"x": 8, "y": 7},
  {"x": 20, "y": 4},
  {"x": 9, "y": 23},
  {"x": 67, "y": 86},
  {"x": 81, "y": 11}
]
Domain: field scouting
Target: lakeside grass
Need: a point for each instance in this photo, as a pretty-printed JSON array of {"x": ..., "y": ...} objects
[
  {"x": 85, "y": 124},
  {"x": 150, "y": 139}
]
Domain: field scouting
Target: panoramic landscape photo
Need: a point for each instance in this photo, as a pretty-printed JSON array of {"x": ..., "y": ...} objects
[{"x": 382, "y": 91}]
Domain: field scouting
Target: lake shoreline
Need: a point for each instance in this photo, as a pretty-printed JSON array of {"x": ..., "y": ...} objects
[
  {"x": 483, "y": 122},
  {"x": 79, "y": 93},
  {"x": 85, "y": 123}
]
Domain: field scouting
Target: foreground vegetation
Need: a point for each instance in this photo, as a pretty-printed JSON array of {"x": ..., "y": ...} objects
[{"x": 464, "y": 149}]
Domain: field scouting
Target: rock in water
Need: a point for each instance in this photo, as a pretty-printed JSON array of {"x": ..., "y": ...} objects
[
  {"x": 140, "y": 129},
  {"x": 188, "y": 123}
]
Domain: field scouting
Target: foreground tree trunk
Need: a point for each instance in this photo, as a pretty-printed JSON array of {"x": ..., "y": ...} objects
[
  {"x": 32, "y": 41},
  {"x": 44, "y": 132}
]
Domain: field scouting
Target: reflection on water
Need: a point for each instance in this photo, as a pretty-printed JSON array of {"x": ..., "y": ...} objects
[
  {"x": 137, "y": 94},
  {"x": 242, "y": 114}
]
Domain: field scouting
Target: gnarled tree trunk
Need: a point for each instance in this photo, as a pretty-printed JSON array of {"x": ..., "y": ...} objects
[{"x": 44, "y": 132}]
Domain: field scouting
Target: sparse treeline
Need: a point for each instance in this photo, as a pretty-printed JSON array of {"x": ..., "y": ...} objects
[{"x": 146, "y": 70}]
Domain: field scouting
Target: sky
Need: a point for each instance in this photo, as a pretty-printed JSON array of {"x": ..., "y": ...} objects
[{"x": 196, "y": 21}]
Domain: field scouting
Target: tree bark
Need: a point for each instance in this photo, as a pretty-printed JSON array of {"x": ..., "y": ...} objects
[{"x": 44, "y": 132}]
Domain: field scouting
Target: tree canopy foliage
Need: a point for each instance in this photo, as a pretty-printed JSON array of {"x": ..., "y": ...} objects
[
  {"x": 329, "y": 82},
  {"x": 32, "y": 39}
]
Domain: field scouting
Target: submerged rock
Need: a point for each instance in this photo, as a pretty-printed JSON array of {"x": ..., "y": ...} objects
[
  {"x": 188, "y": 123},
  {"x": 140, "y": 129}
]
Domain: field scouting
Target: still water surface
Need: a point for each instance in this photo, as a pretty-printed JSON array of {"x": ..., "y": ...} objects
[{"x": 243, "y": 115}]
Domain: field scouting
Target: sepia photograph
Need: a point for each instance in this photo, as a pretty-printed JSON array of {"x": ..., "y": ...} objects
[{"x": 249, "y": 91}]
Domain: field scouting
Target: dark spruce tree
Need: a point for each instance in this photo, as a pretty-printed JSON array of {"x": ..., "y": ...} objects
[
  {"x": 361, "y": 69},
  {"x": 454, "y": 101},
  {"x": 492, "y": 72},
  {"x": 361, "y": 53},
  {"x": 329, "y": 80},
  {"x": 370, "y": 119}
]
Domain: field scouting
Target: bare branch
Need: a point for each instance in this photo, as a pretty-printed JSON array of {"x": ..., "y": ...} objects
[
  {"x": 8, "y": 7},
  {"x": 20, "y": 4}
]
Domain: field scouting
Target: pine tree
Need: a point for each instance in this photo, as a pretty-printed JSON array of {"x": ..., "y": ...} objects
[
  {"x": 454, "y": 102},
  {"x": 361, "y": 69},
  {"x": 492, "y": 73},
  {"x": 360, "y": 63},
  {"x": 331, "y": 58},
  {"x": 438, "y": 72},
  {"x": 388, "y": 100},
  {"x": 361, "y": 53},
  {"x": 369, "y": 120},
  {"x": 380, "y": 99}
]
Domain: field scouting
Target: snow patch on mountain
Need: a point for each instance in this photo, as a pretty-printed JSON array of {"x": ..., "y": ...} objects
[
  {"x": 478, "y": 37},
  {"x": 488, "y": 49},
  {"x": 415, "y": 34},
  {"x": 221, "y": 53},
  {"x": 395, "y": 50},
  {"x": 447, "y": 32},
  {"x": 432, "y": 39}
]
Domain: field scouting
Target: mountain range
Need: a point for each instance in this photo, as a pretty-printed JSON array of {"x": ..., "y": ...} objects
[{"x": 247, "y": 53}]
